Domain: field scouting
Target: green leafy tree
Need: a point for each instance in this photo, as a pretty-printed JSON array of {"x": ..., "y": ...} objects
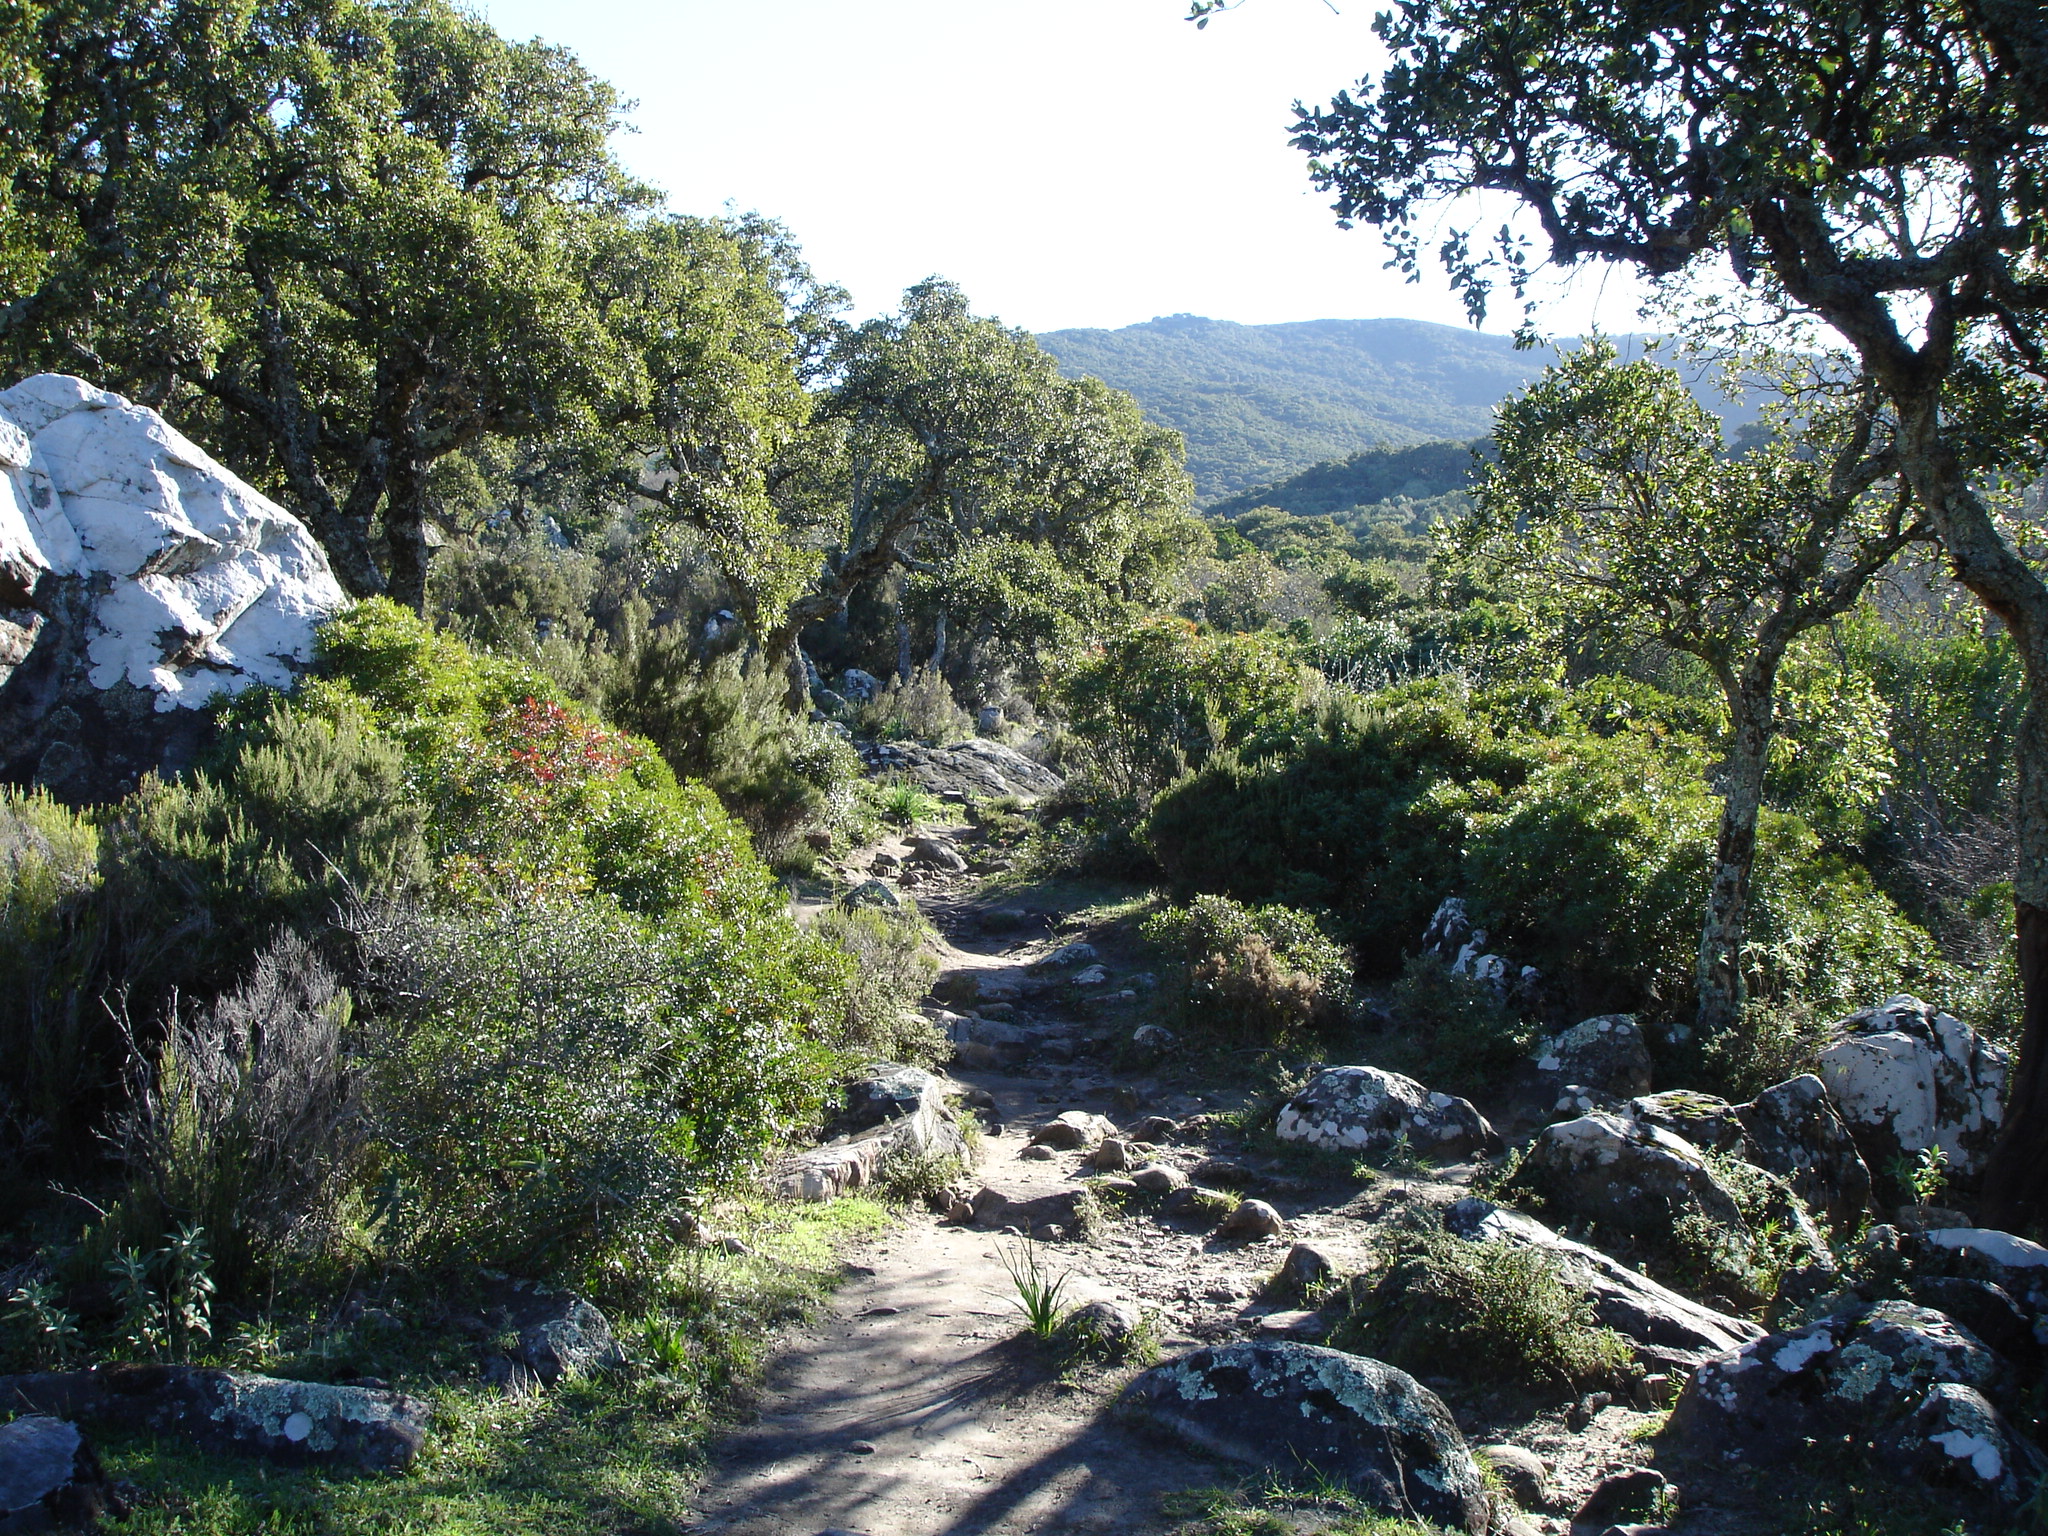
[
  {"x": 1614, "y": 505},
  {"x": 1884, "y": 170},
  {"x": 950, "y": 446}
]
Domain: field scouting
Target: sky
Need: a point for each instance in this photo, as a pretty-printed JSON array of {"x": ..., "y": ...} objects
[{"x": 1067, "y": 162}]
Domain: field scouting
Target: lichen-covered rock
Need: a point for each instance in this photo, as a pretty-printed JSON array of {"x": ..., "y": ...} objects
[
  {"x": 1703, "y": 1119},
  {"x": 560, "y": 1336},
  {"x": 1290, "y": 1408},
  {"x": 1907, "y": 1077},
  {"x": 139, "y": 582},
  {"x": 889, "y": 1090},
  {"x": 49, "y": 1476},
  {"x": 1793, "y": 1130},
  {"x": 1623, "y": 1174},
  {"x": 1955, "y": 1440},
  {"x": 928, "y": 1128},
  {"x": 1073, "y": 1130},
  {"x": 293, "y": 1422},
  {"x": 1607, "y": 1053},
  {"x": 1253, "y": 1221},
  {"x": 971, "y": 769},
  {"x": 1363, "y": 1109},
  {"x": 1853, "y": 1372},
  {"x": 872, "y": 893},
  {"x": 938, "y": 853},
  {"x": 1666, "y": 1330}
]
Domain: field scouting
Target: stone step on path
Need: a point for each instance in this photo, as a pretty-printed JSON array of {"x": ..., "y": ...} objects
[{"x": 916, "y": 1407}]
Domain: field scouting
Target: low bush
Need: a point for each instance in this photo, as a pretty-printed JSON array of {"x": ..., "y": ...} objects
[
  {"x": 1255, "y": 974},
  {"x": 891, "y": 968},
  {"x": 244, "y": 1126},
  {"x": 726, "y": 723},
  {"x": 1456, "y": 1033},
  {"x": 1492, "y": 1312},
  {"x": 920, "y": 709},
  {"x": 55, "y": 1052},
  {"x": 549, "y": 1082},
  {"x": 1162, "y": 697}
]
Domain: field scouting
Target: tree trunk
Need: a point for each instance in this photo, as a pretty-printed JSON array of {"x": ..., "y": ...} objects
[
  {"x": 1749, "y": 745},
  {"x": 405, "y": 532},
  {"x": 2016, "y": 1178},
  {"x": 1985, "y": 561},
  {"x": 939, "y": 641},
  {"x": 903, "y": 663}
]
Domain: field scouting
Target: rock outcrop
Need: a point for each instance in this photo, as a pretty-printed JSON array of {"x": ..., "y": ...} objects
[
  {"x": 1665, "y": 1329},
  {"x": 139, "y": 581},
  {"x": 1607, "y": 1054},
  {"x": 1366, "y": 1110},
  {"x": 50, "y": 1477},
  {"x": 1912, "y": 1379},
  {"x": 905, "y": 1111},
  {"x": 1297, "y": 1407},
  {"x": 966, "y": 770},
  {"x": 1907, "y": 1077},
  {"x": 297, "y": 1423}
]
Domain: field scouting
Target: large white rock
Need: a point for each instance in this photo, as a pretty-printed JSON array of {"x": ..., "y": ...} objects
[
  {"x": 201, "y": 585},
  {"x": 1907, "y": 1077},
  {"x": 1365, "y": 1109}
]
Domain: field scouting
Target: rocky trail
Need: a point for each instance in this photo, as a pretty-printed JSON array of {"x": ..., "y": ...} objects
[{"x": 919, "y": 1405}]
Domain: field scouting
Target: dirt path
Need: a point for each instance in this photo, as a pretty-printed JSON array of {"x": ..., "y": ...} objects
[{"x": 916, "y": 1407}]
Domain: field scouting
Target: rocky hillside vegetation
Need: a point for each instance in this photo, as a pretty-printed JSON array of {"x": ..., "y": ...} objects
[{"x": 626, "y": 906}]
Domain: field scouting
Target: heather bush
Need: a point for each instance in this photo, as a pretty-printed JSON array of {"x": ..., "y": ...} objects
[{"x": 1262, "y": 975}]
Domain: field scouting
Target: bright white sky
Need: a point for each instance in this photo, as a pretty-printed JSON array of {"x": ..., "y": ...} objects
[{"x": 1068, "y": 162}]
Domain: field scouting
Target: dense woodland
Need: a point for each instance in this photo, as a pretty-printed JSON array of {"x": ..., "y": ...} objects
[{"x": 1736, "y": 731}]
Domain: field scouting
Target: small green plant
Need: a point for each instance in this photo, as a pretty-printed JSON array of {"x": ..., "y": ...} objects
[
  {"x": 166, "y": 1298},
  {"x": 1924, "y": 1177},
  {"x": 1493, "y": 1311},
  {"x": 51, "y": 1329},
  {"x": 1040, "y": 1293},
  {"x": 910, "y": 1176},
  {"x": 906, "y": 805},
  {"x": 662, "y": 1344}
]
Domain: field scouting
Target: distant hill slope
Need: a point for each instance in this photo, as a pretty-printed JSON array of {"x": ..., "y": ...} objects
[
  {"x": 1364, "y": 479},
  {"x": 1259, "y": 402}
]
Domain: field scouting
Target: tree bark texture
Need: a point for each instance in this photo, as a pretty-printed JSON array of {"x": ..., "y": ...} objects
[{"x": 1721, "y": 933}]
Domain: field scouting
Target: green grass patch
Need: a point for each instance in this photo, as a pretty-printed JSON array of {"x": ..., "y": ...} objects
[{"x": 614, "y": 1454}]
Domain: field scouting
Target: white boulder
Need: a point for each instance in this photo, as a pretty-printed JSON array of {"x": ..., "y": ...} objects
[
  {"x": 1907, "y": 1077},
  {"x": 1366, "y": 1110}
]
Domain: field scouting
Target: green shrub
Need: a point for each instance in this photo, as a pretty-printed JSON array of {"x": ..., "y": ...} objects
[
  {"x": 922, "y": 709},
  {"x": 548, "y": 1082},
  {"x": 1161, "y": 697},
  {"x": 726, "y": 723},
  {"x": 55, "y": 1051},
  {"x": 301, "y": 812},
  {"x": 1263, "y": 975},
  {"x": 1344, "y": 816},
  {"x": 1456, "y": 1033},
  {"x": 245, "y": 1125},
  {"x": 1491, "y": 1312},
  {"x": 890, "y": 968}
]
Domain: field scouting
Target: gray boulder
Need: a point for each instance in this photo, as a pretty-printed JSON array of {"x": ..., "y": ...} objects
[
  {"x": 1955, "y": 1440},
  {"x": 923, "y": 1124},
  {"x": 1700, "y": 1118},
  {"x": 1073, "y": 1130},
  {"x": 1641, "y": 1180},
  {"x": 1667, "y": 1330},
  {"x": 1907, "y": 1077},
  {"x": 1607, "y": 1054},
  {"x": 296, "y": 1423},
  {"x": 49, "y": 1476},
  {"x": 1793, "y": 1130},
  {"x": 979, "y": 769},
  {"x": 1291, "y": 1407},
  {"x": 1857, "y": 1372},
  {"x": 872, "y": 893},
  {"x": 560, "y": 1336},
  {"x": 938, "y": 853},
  {"x": 140, "y": 581},
  {"x": 889, "y": 1090},
  {"x": 1366, "y": 1110}
]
